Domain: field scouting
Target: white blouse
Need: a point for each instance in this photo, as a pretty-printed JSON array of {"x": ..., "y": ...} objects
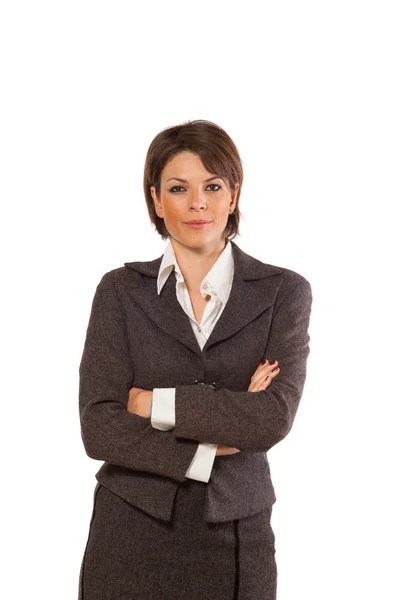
[{"x": 218, "y": 284}]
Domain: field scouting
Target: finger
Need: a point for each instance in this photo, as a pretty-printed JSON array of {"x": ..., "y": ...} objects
[
  {"x": 270, "y": 372},
  {"x": 265, "y": 382},
  {"x": 267, "y": 370},
  {"x": 259, "y": 378},
  {"x": 265, "y": 365},
  {"x": 268, "y": 363}
]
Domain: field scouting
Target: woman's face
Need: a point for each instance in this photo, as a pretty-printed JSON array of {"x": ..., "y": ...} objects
[{"x": 188, "y": 192}]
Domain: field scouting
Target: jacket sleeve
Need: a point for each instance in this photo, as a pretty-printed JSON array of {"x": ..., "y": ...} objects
[
  {"x": 109, "y": 432},
  {"x": 163, "y": 418},
  {"x": 255, "y": 421}
]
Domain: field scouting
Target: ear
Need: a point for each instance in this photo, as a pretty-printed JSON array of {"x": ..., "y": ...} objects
[
  {"x": 157, "y": 205},
  {"x": 234, "y": 196}
]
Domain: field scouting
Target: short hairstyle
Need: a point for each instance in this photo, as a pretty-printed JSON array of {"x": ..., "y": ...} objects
[{"x": 217, "y": 152}]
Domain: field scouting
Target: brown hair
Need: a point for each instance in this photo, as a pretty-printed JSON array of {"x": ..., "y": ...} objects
[{"x": 217, "y": 152}]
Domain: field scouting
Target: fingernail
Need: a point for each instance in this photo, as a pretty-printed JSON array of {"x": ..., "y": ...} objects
[
  {"x": 266, "y": 378},
  {"x": 264, "y": 361}
]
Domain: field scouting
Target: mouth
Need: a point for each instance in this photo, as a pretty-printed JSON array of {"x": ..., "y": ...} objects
[
  {"x": 197, "y": 224},
  {"x": 196, "y": 221}
]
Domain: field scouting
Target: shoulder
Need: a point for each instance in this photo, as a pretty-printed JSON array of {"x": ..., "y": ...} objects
[
  {"x": 110, "y": 278},
  {"x": 295, "y": 289},
  {"x": 255, "y": 268},
  {"x": 293, "y": 286},
  {"x": 289, "y": 277},
  {"x": 119, "y": 279},
  {"x": 294, "y": 278}
]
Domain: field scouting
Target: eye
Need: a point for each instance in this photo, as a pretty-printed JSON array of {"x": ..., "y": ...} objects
[{"x": 215, "y": 185}]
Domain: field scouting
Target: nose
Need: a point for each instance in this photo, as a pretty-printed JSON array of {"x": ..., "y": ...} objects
[{"x": 197, "y": 199}]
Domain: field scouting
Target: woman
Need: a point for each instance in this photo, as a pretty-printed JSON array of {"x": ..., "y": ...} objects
[{"x": 181, "y": 393}]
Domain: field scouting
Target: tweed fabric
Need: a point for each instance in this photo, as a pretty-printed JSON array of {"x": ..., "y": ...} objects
[
  {"x": 131, "y": 555},
  {"x": 136, "y": 337}
]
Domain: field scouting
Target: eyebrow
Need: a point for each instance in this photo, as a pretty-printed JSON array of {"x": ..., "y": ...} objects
[{"x": 205, "y": 181}]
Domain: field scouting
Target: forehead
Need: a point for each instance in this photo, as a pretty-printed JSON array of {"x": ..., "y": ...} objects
[{"x": 185, "y": 163}]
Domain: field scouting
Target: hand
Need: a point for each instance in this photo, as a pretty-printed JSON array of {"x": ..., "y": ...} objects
[
  {"x": 139, "y": 402},
  {"x": 257, "y": 383},
  {"x": 224, "y": 450}
]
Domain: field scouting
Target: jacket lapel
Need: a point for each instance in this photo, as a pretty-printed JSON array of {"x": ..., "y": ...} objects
[{"x": 253, "y": 290}]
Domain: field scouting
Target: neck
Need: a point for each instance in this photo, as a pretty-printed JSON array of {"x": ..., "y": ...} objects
[{"x": 195, "y": 263}]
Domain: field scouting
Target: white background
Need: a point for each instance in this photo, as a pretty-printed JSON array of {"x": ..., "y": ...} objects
[{"x": 309, "y": 92}]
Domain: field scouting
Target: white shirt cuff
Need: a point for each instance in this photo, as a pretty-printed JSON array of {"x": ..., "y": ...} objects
[
  {"x": 202, "y": 462},
  {"x": 163, "y": 409}
]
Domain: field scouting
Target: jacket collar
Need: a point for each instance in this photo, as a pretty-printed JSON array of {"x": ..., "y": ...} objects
[{"x": 253, "y": 290}]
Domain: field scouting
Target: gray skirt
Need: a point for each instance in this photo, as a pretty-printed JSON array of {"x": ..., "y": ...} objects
[{"x": 131, "y": 555}]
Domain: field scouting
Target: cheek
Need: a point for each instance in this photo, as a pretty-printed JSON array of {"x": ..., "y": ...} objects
[
  {"x": 173, "y": 214},
  {"x": 171, "y": 210},
  {"x": 221, "y": 208}
]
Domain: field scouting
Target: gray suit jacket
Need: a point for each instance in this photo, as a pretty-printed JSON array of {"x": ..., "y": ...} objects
[{"x": 136, "y": 337}]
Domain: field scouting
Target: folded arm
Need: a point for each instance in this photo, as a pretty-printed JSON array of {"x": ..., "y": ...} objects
[
  {"x": 255, "y": 421},
  {"x": 109, "y": 432},
  {"x": 163, "y": 418}
]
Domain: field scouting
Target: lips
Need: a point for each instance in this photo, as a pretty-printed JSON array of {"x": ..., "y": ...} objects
[{"x": 197, "y": 225}]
